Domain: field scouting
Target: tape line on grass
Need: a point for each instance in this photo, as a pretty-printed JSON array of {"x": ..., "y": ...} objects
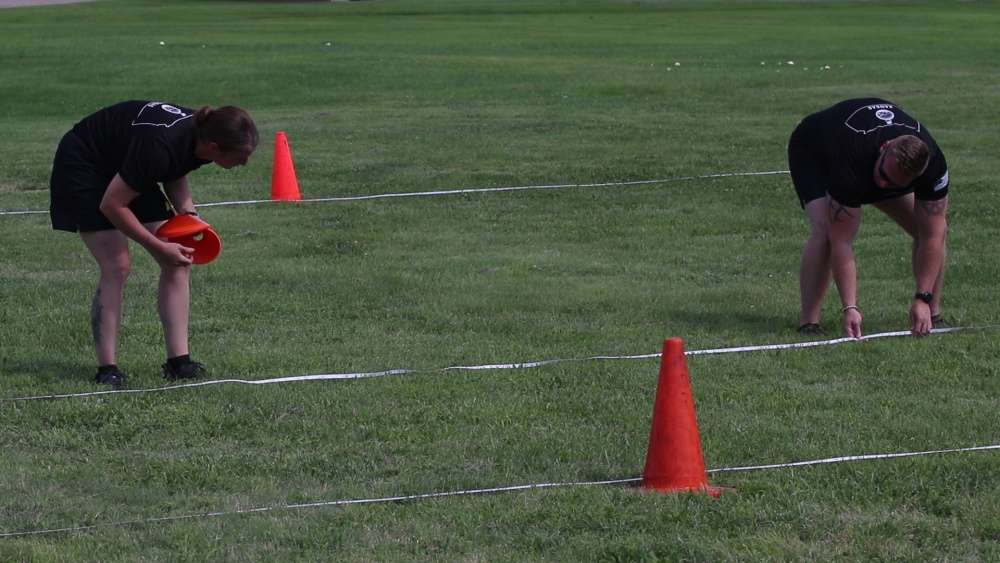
[
  {"x": 468, "y": 492},
  {"x": 465, "y": 191},
  {"x": 515, "y": 365}
]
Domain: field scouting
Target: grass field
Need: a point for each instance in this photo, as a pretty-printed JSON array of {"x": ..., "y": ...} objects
[{"x": 393, "y": 96}]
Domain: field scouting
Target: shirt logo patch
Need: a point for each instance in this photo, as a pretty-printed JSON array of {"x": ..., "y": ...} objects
[
  {"x": 867, "y": 119},
  {"x": 159, "y": 114}
]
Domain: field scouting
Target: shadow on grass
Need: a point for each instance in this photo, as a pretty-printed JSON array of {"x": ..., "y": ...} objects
[
  {"x": 47, "y": 370},
  {"x": 756, "y": 323}
]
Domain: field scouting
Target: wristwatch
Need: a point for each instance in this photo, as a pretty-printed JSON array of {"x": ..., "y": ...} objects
[{"x": 924, "y": 296}]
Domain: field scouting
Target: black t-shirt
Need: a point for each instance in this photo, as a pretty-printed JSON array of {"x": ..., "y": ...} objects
[
  {"x": 145, "y": 142},
  {"x": 848, "y": 138}
]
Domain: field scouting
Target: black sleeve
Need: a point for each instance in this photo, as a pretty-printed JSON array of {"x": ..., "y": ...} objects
[
  {"x": 146, "y": 163},
  {"x": 933, "y": 184}
]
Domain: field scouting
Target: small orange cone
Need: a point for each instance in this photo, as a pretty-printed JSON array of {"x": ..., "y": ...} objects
[
  {"x": 674, "y": 462},
  {"x": 284, "y": 185},
  {"x": 192, "y": 232}
]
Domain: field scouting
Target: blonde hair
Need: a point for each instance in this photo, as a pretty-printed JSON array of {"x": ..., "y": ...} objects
[{"x": 911, "y": 154}]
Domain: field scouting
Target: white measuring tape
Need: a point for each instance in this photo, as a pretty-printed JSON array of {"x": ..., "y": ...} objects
[
  {"x": 515, "y": 365},
  {"x": 465, "y": 191},
  {"x": 506, "y": 489}
]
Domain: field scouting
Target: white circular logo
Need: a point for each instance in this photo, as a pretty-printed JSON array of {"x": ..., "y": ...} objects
[
  {"x": 175, "y": 111},
  {"x": 885, "y": 115}
]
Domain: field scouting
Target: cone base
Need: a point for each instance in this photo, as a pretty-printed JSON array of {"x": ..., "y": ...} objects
[{"x": 706, "y": 489}]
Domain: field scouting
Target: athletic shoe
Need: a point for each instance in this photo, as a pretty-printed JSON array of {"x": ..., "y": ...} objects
[
  {"x": 937, "y": 321},
  {"x": 114, "y": 377},
  {"x": 187, "y": 370},
  {"x": 812, "y": 329}
]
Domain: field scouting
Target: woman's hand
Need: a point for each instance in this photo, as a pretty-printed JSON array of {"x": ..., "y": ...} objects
[{"x": 172, "y": 254}]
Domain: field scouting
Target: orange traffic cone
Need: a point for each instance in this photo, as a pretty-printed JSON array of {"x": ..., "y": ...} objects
[
  {"x": 284, "y": 185},
  {"x": 674, "y": 462}
]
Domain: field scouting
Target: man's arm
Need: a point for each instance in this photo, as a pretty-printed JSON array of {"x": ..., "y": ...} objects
[
  {"x": 844, "y": 224},
  {"x": 114, "y": 206},
  {"x": 928, "y": 257}
]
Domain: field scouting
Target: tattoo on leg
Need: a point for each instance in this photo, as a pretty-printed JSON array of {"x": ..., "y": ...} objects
[{"x": 95, "y": 316}]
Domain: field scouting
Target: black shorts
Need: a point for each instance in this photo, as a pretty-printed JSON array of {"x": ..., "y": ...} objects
[
  {"x": 809, "y": 172},
  {"x": 78, "y": 185}
]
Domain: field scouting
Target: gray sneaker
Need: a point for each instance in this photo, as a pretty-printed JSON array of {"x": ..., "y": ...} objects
[{"x": 937, "y": 321}]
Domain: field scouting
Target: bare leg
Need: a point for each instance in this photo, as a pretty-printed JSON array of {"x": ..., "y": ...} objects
[
  {"x": 901, "y": 211},
  {"x": 174, "y": 304},
  {"x": 814, "y": 270},
  {"x": 110, "y": 249}
]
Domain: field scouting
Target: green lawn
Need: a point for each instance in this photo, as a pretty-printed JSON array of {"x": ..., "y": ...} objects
[{"x": 394, "y": 96}]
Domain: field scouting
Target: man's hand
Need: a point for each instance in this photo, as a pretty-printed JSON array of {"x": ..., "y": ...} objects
[
  {"x": 852, "y": 322},
  {"x": 920, "y": 318}
]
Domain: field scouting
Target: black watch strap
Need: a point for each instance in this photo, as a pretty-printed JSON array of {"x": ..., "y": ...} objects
[{"x": 924, "y": 296}]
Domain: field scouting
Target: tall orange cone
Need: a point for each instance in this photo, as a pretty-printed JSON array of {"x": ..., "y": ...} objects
[
  {"x": 284, "y": 185},
  {"x": 674, "y": 462}
]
